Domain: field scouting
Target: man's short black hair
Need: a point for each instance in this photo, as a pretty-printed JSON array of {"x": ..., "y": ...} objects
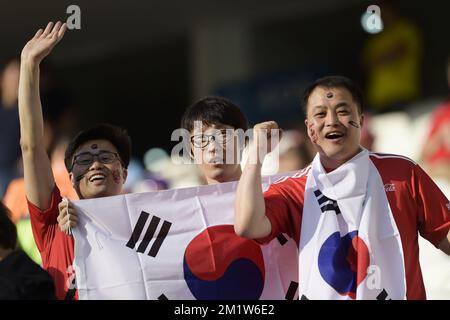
[
  {"x": 8, "y": 232},
  {"x": 213, "y": 111},
  {"x": 116, "y": 135},
  {"x": 335, "y": 82}
]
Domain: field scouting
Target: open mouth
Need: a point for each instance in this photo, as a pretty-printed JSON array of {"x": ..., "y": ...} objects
[
  {"x": 334, "y": 135},
  {"x": 97, "y": 177}
]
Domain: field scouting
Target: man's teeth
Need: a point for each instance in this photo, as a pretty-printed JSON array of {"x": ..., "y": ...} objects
[{"x": 97, "y": 177}]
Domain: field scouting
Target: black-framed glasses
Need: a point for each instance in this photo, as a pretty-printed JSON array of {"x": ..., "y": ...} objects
[
  {"x": 221, "y": 136},
  {"x": 87, "y": 158}
]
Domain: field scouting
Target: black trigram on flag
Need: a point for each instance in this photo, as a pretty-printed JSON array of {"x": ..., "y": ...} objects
[
  {"x": 326, "y": 204},
  {"x": 290, "y": 294},
  {"x": 282, "y": 239},
  {"x": 383, "y": 295},
  {"x": 151, "y": 229}
]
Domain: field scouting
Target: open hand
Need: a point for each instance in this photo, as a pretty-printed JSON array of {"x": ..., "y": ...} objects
[{"x": 43, "y": 42}]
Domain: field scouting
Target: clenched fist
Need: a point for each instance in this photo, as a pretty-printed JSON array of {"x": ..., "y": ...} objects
[{"x": 266, "y": 136}]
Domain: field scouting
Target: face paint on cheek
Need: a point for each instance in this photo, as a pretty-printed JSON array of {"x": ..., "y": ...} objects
[
  {"x": 354, "y": 124},
  {"x": 313, "y": 133},
  {"x": 116, "y": 176},
  {"x": 79, "y": 177}
]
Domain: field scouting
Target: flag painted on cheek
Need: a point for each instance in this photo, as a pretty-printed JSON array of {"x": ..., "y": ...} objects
[
  {"x": 312, "y": 132},
  {"x": 354, "y": 124},
  {"x": 116, "y": 176}
]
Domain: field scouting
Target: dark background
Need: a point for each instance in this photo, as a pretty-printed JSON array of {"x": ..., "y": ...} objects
[{"x": 139, "y": 64}]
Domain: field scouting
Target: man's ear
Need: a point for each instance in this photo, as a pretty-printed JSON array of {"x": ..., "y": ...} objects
[
  {"x": 361, "y": 120},
  {"x": 124, "y": 174},
  {"x": 307, "y": 128},
  {"x": 72, "y": 180}
]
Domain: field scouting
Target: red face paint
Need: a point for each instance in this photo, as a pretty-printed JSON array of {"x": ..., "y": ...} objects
[
  {"x": 116, "y": 176},
  {"x": 313, "y": 133}
]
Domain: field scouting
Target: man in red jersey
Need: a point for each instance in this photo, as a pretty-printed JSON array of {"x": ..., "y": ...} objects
[
  {"x": 96, "y": 160},
  {"x": 355, "y": 215}
]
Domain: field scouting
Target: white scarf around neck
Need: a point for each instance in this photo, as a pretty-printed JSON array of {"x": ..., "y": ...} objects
[{"x": 346, "y": 209}]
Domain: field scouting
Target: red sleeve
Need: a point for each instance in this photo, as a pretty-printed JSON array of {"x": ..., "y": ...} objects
[
  {"x": 433, "y": 207},
  {"x": 283, "y": 211},
  {"x": 43, "y": 222}
]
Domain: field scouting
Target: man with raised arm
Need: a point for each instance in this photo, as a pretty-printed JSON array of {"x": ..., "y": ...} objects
[
  {"x": 355, "y": 215},
  {"x": 96, "y": 160}
]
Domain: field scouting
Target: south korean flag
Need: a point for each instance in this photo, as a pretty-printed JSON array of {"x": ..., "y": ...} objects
[{"x": 177, "y": 244}]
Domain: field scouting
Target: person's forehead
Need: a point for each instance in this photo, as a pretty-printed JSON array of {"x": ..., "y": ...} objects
[
  {"x": 206, "y": 128},
  {"x": 322, "y": 96},
  {"x": 95, "y": 146}
]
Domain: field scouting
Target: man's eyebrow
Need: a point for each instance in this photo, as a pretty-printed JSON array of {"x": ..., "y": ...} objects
[
  {"x": 319, "y": 107},
  {"x": 342, "y": 104}
]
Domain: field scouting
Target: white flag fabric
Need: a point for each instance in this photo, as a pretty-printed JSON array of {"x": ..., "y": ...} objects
[
  {"x": 177, "y": 244},
  {"x": 348, "y": 229}
]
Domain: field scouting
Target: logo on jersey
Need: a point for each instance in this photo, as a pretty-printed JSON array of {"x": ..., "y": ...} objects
[{"x": 389, "y": 187}]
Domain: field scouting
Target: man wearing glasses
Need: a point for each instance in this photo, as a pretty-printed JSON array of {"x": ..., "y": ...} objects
[
  {"x": 96, "y": 160},
  {"x": 213, "y": 123}
]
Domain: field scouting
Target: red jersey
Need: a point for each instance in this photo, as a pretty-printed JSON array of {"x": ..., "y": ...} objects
[
  {"x": 56, "y": 248},
  {"x": 417, "y": 205}
]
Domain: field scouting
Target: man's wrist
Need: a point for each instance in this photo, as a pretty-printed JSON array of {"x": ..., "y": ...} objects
[
  {"x": 29, "y": 63},
  {"x": 256, "y": 154}
]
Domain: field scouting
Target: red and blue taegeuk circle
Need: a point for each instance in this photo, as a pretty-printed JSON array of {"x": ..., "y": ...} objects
[
  {"x": 219, "y": 265},
  {"x": 343, "y": 262}
]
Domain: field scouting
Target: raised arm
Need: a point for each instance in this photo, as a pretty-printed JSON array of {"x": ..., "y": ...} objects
[
  {"x": 250, "y": 220},
  {"x": 39, "y": 181}
]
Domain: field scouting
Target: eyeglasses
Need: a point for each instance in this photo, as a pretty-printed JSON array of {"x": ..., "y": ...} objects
[
  {"x": 221, "y": 136},
  {"x": 87, "y": 158}
]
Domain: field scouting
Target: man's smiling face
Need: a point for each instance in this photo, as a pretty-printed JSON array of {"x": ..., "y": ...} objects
[
  {"x": 104, "y": 176},
  {"x": 334, "y": 125}
]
